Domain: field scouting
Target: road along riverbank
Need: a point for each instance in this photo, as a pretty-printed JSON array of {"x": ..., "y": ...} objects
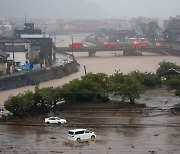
[{"x": 35, "y": 77}]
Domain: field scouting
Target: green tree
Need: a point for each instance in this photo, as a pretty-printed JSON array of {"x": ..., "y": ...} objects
[
  {"x": 48, "y": 96},
  {"x": 58, "y": 95},
  {"x": 141, "y": 27},
  {"x": 130, "y": 89},
  {"x": 89, "y": 88},
  {"x": 164, "y": 66},
  {"x": 174, "y": 84},
  {"x": 152, "y": 31},
  {"x": 146, "y": 79},
  {"x": 115, "y": 80},
  {"x": 71, "y": 90},
  {"x": 80, "y": 91},
  {"x": 38, "y": 103},
  {"x": 100, "y": 79},
  {"x": 21, "y": 104}
]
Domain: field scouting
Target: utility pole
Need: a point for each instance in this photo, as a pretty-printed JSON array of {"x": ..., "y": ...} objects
[
  {"x": 13, "y": 52},
  {"x": 72, "y": 44},
  {"x": 13, "y": 47},
  {"x": 137, "y": 43},
  {"x": 55, "y": 38},
  {"x": 25, "y": 17},
  {"x": 85, "y": 70}
]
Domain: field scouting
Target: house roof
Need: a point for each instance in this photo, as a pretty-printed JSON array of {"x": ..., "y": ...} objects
[
  {"x": 19, "y": 48},
  {"x": 172, "y": 30},
  {"x": 35, "y": 36},
  {"x": 2, "y": 53},
  {"x": 12, "y": 39},
  {"x": 1, "y": 46}
]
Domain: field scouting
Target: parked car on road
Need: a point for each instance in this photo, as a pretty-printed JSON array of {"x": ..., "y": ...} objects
[
  {"x": 17, "y": 69},
  {"x": 81, "y": 134},
  {"x": 55, "y": 120}
]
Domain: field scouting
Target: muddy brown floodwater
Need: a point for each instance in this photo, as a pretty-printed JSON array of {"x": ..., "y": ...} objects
[{"x": 117, "y": 132}]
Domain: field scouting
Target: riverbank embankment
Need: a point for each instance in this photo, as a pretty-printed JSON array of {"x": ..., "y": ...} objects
[{"x": 37, "y": 76}]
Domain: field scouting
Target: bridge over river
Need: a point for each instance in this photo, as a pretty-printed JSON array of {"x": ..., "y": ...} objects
[{"x": 127, "y": 50}]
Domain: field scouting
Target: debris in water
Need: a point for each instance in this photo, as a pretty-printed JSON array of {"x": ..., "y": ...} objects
[{"x": 52, "y": 138}]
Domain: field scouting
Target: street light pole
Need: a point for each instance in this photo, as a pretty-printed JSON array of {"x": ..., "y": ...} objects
[{"x": 137, "y": 43}]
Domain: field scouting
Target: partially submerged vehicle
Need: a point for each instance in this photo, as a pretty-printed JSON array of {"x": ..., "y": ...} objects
[
  {"x": 81, "y": 134},
  {"x": 55, "y": 120}
]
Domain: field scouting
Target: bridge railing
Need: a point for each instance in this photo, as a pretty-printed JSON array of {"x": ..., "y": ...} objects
[{"x": 99, "y": 48}]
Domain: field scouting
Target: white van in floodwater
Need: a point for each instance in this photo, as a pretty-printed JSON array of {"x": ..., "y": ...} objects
[{"x": 81, "y": 134}]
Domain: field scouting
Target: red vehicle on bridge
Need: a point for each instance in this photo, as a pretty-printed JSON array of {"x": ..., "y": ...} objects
[
  {"x": 140, "y": 44},
  {"x": 158, "y": 44},
  {"x": 76, "y": 45},
  {"x": 109, "y": 45}
]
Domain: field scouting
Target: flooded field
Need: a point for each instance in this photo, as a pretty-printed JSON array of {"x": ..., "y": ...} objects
[
  {"x": 155, "y": 130},
  {"x": 117, "y": 132}
]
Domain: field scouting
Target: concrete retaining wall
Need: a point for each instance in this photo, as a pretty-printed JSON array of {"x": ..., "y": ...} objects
[
  {"x": 36, "y": 76},
  {"x": 52, "y": 73}
]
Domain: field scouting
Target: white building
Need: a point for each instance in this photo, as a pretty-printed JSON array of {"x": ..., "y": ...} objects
[{"x": 17, "y": 48}]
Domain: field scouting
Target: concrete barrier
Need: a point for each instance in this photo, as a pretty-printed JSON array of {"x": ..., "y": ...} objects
[{"x": 34, "y": 77}]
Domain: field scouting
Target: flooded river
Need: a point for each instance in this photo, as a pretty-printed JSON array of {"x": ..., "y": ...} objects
[
  {"x": 116, "y": 132},
  {"x": 104, "y": 62}
]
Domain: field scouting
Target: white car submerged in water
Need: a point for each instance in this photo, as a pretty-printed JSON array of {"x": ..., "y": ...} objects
[
  {"x": 81, "y": 134},
  {"x": 55, "y": 120}
]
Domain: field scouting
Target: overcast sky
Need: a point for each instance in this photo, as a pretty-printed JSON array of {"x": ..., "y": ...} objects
[{"x": 89, "y": 8}]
